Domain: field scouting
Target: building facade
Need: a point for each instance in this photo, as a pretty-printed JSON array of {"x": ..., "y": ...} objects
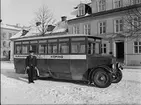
[
  {"x": 7, "y": 32},
  {"x": 107, "y": 20}
]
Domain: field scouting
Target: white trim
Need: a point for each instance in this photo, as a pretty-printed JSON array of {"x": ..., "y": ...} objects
[{"x": 53, "y": 56}]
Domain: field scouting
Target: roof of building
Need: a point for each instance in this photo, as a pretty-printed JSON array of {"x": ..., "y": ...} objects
[
  {"x": 5, "y": 26},
  {"x": 61, "y": 27},
  {"x": 107, "y": 12}
]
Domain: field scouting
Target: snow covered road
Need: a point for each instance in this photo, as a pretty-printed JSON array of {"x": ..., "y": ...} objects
[{"x": 16, "y": 90}]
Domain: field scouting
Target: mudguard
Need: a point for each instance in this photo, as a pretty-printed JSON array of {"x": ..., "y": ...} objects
[{"x": 108, "y": 69}]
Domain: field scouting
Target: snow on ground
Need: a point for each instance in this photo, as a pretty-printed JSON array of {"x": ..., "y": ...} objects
[{"x": 16, "y": 90}]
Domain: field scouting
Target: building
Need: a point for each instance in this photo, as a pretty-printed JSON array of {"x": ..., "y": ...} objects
[
  {"x": 7, "y": 31},
  {"x": 59, "y": 29},
  {"x": 107, "y": 19}
]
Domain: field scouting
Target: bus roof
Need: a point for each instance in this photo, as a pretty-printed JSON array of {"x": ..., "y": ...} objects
[{"x": 56, "y": 36}]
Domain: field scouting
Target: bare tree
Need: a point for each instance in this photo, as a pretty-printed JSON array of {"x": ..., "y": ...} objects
[
  {"x": 43, "y": 19},
  {"x": 132, "y": 22}
]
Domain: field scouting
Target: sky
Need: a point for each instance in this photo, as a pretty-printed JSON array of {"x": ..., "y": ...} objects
[{"x": 23, "y": 11}]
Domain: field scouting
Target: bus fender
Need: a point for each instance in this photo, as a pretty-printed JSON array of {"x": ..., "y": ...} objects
[{"x": 90, "y": 72}]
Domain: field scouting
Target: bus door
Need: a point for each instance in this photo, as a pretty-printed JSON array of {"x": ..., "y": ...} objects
[
  {"x": 93, "y": 51},
  {"x": 78, "y": 62},
  {"x": 59, "y": 62}
]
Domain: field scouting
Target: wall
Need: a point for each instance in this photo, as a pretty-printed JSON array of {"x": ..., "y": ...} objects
[
  {"x": 131, "y": 57},
  {"x": 7, "y": 47}
]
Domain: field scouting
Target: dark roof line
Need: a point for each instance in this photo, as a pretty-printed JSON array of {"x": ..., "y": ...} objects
[{"x": 108, "y": 11}]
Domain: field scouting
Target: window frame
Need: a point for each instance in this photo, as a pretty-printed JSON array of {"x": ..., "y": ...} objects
[
  {"x": 118, "y": 3},
  {"x": 94, "y": 41},
  {"x": 87, "y": 29},
  {"x": 102, "y": 5},
  {"x": 28, "y": 47},
  {"x": 138, "y": 47},
  {"x": 78, "y": 41},
  {"x": 19, "y": 43},
  {"x": 54, "y": 42},
  {"x": 65, "y": 41},
  {"x": 102, "y": 27},
  {"x": 103, "y": 48},
  {"x": 75, "y": 29},
  {"x": 118, "y": 25},
  {"x": 45, "y": 48},
  {"x": 34, "y": 42}
]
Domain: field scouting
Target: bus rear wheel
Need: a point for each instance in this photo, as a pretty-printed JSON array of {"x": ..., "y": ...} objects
[{"x": 101, "y": 78}]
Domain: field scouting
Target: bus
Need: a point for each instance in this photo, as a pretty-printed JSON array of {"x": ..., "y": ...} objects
[{"x": 69, "y": 57}]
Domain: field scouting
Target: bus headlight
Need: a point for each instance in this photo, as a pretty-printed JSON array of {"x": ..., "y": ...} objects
[
  {"x": 113, "y": 66},
  {"x": 118, "y": 65}
]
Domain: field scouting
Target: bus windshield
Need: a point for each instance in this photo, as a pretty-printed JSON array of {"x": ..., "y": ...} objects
[{"x": 94, "y": 46}]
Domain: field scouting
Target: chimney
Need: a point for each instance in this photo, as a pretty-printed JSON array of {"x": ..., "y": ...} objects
[{"x": 64, "y": 18}]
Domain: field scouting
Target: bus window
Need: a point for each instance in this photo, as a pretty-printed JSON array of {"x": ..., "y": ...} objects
[
  {"x": 24, "y": 49},
  {"x": 33, "y": 47},
  {"x": 42, "y": 48},
  {"x": 52, "y": 48},
  {"x": 91, "y": 48},
  {"x": 63, "y": 48},
  {"x": 97, "y": 48},
  {"x": 18, "y": 49},
  {"x": 77, "y": 47}
]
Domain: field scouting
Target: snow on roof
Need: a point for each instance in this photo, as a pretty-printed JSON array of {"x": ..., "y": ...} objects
[
  {"x": 10, "y": 27},
  {"x": 60, "y": 27},
  {"x": 33, "y": 31},
  {"x": 17, "y": 35}
]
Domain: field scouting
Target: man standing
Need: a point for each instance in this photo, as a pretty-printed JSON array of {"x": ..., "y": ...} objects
[{"x": 31, "y": 63}]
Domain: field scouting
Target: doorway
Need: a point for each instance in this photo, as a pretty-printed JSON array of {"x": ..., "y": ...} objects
[{"x": 120, "y": 50}]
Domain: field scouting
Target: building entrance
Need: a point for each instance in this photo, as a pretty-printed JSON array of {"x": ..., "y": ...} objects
[{"x": 120, "y": 50}]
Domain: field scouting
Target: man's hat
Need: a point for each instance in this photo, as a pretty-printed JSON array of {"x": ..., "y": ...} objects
[{"x": 31, "y": 51}]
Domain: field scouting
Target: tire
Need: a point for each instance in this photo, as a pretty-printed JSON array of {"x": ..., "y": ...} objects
[
  {"x": 118, "y": 77},
  {"x": 101, "y": 78}
]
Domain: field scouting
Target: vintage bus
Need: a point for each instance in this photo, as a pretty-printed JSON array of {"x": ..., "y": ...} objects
[{"x": 69, "y": 57}]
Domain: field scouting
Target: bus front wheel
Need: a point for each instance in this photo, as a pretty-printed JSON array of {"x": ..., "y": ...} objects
[
  {"x": 118, "y": 77},
  {"x": 101, "y": 78}
]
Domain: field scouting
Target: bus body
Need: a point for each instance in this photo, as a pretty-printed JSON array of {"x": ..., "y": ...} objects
[{"x": 70, "y": 57}]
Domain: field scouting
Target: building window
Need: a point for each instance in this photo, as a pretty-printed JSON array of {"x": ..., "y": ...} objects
[
  {"x": 136, "y": 24},
  {"x": 81, "y": 10},
  {"x": 87, "y": 29},
  {"x": 4, "y": 53},
  {"x": 102, "y": 27},
  {"x": 118, "y": 25},
  {"x": 104, "y": 48},
  {"x": 4, "y": 35},
  {"x": 132, "y": 2},
  {"x": 75, "y": 29},
  {"x": 102, "y": 5},
  {"x": 10, "y": 35},
  {"x": 137, "y": 47},
  {"x": 118, "y": 3},
  {"x": 4, "y": 43}
]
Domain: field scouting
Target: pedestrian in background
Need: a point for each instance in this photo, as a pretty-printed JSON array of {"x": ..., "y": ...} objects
[{"x": 31, "y": 63}]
